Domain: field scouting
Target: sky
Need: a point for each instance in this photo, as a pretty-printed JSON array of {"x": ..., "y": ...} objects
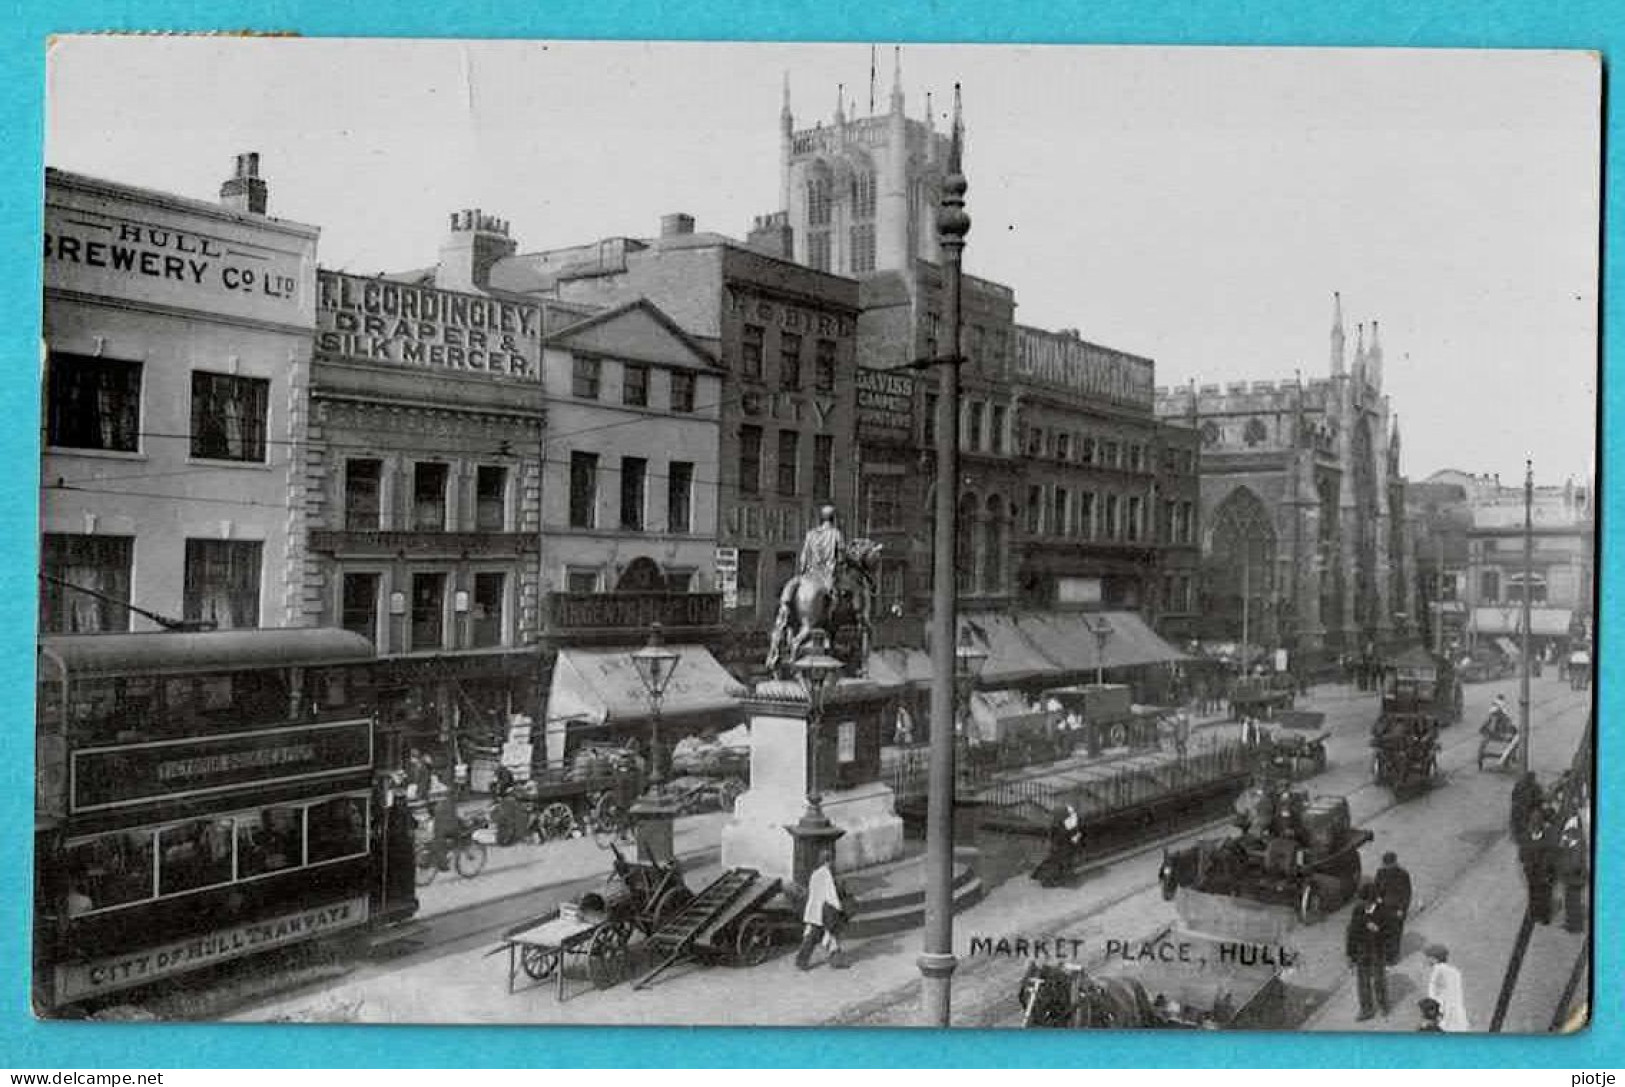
[{"x": 1196, "y": 206}]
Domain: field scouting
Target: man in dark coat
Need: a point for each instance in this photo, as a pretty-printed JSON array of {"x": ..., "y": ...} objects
[
  {"x": 1572, "y": 863},
  {"x": 1394, "y": 892},
  {"x": 1535, "y": 854},
  {"x": 1526, "y": 796},
  {"x": 1367, "y": 948}
]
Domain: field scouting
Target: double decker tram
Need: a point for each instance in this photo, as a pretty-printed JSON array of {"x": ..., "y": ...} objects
[{"x": 200, "y": 798}]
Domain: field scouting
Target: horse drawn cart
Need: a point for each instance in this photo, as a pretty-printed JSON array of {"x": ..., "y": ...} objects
[
  {"x": 592, "y": 794},
  {"x": 1405, "y": 752},
  {"x": 1262, "y": 697}
]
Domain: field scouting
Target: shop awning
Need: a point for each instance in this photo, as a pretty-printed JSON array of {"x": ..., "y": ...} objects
[
  {"x": 1070, "y": 639},
  {"x": 899, "y": 668},
  {"x": 1544, "y": 622},
  {"x": 601, "y": 686},
  {"x": 1011, "y": 657}
]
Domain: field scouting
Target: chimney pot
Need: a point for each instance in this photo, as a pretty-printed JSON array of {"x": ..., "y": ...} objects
[{"x": 245, "y": 190}]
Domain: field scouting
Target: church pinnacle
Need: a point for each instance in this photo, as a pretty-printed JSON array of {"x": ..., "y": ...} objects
[
  {"x": 1338, "y": 339},
  {"x": 897, "y": 80}
]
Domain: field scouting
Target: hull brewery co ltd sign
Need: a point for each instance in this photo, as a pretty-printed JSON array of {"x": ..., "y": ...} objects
[
  {"x": 378, "y": 320},
  {"x": 127, "y": 774}
]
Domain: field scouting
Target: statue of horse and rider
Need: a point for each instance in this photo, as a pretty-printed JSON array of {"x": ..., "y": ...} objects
[
  {"x": 1067, "y": 995},
  {"x": 833, "y": 586}
]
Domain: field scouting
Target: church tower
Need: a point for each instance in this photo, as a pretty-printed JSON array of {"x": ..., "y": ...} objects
[{"x": 861, "y": 192}]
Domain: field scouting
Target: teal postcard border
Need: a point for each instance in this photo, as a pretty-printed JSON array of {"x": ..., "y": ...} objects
[{"x": 28, "y": 1044}]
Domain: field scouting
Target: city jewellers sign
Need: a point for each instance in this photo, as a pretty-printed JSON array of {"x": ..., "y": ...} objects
[
  {"x": 1070, "y": 364},
  {"x": 75, "y": 981},
  {"x": 885, "y": 405},
  {"x": 633, "y": 611},
  {"x": 789, "y": 318},
  {"x": 116, "y": 777},
  {"x": 377, "y": 320}
]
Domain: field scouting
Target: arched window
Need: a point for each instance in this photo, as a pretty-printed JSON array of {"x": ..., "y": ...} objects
[
  {"x": 996, "y": 531},
  {"x": 966, "y": 553},
  {"x": 1240, "y": 572}
]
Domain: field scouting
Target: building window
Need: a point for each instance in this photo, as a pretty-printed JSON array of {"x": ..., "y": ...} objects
[
  {"x": 789, "y": 454},
  {"x": 1063, "y": 447},
  {"x": 428, "y": 611},
  {"x": 429, "y": 496},
  {"x": 485, "y": 612},
  {"x": 99, "y": 564},
  {"x": 784, "y": 568},
  {"x": 928, "y": 425},
  {"x": 749, "y": 574},
  {"x": 634, "y": 481},
  {"x": 680, "y": 497},
  {"x": 228, "y": 416},
  {"x": 682, "y": 391},
  {"x": 1035, "y": 441},
  {"x": 750, "y": 459},
  {"x": 1133, "y": 518},
  {"x": 363, "y": 495},
  {"x": 883, "y": 503},
  {"x": 823, "y": 467},
  {"x": 1086, "y": 514},
  {"x": 1110, "y": 532},
  {"x": 824, "y": 367},
  {"x": 1136, "y": 458},
  {"x": 223, "y": 582},
  {"x": 1061, "y": 521},
  {"x": 1187, "y": 522},
  {"x": 93, "y": 403},
  {"x": 358, "y": 605},
  {"x": 995, "y": 430},
  {"x": 1489, "y": 583},
  {"x": 1035, "y": 509},
  {"x": 818, "y": 256},
  {"x": 679, "y": 581},
  {"x": 580, "y": 579},
  {"x": 973, "y": 428},
  {"x": 584, "y": 377},
  {"x": 789, "y": 360},
  {"x": 583, "y": 490},
  {"x": 863, "y": 196},
  {"x": 635, "y": 386},
  {"x": 863, "y": 248},
  {"x": 490, "y": 498},
  {"x": 819, "y": 203},
  {"x": 750, "y": 351}
]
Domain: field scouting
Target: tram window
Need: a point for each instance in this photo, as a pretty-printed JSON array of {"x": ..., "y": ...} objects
[
  {"x": 260, "y": 697},
  {"x": 338, "y": 828},
  {"x": 336, "y": 689},
  {"x": 270, "y": 841},
  {"x": 115, "y": 710},
  {"x": 111, "y": 870},
  {"x": 194, "y": 855}
]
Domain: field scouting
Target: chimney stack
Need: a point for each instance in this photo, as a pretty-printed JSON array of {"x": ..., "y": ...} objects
[
  {"x": 772, "y": 234},
  {"x": 476, "y": 242},
  {"x": 676, "y": 224},
  {"x": 245, "y": 190}
]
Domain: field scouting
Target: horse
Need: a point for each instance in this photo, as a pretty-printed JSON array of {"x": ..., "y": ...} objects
[
  {"x": 808, "y": 603},
  {"x": 1067, "y": 995}
]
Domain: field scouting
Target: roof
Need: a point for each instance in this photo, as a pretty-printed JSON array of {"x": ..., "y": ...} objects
[
  {"x": 571, "y": 335},
  {"x": 163, "y": 652}
]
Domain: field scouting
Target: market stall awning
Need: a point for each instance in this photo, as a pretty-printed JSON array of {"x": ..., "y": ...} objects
[
  {"x": 1071, "y": 639},
  {"x": 1011, "y": 657},
  {"x": 899, "y": 668},
  {"x": 1545, "y": 622},
  {"x": 601, "y": 686}
]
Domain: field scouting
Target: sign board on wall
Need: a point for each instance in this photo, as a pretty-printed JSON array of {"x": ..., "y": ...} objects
[
  {"x": 885, "y": 405},
  {"x": 136, "y": 252},
  {"x": 1077, "y": 590},
  {"x": 1072, "y": 365},
  {"x": 727, "y": 569},
  {"x": 379, "y": 320}
]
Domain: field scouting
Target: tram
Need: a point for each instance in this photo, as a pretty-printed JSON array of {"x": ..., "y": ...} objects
[{"x": 202, "y": 797}]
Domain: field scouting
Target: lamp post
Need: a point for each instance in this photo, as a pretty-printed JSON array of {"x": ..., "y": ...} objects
[
  {"x": 655, "y": 663},
  {"x": 1528, "y": 584},
  {"x": 1102, "y": 630},
  {"x": 817, "y": 672}
]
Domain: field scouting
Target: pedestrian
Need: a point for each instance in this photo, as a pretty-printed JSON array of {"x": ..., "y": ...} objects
[
  {"x": 824, "y": 915},
  {"x": 1394, "y": 892},
  {"x": 1182, "y": 733},
  {"x": 1535, "y": 855},
  {"x": 1572, "y": 863},
  {"x": 446, "y": 827},
  {"x": 1431, "y": 1013},
  {"x": 1526, "y": 797},
  {"x": 1444, "y": 986},
  {"x": 1366, "y": 946}
]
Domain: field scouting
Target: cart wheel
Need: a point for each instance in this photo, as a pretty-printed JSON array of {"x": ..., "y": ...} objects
[
  {"x": 470, "y": 859},
  {"x": 556, "y": 821},
  {"x": 606, "y": 955},
  {"x": 539, "y": 963},
  {"x": 609, "y": 820},
  {"x": 426, "y": 868},
  {"x": 1309, "y": 903},
  {"x": 667, "y": 904},
  {"x": 754, "y": 943},
  {"x": 730, "y": 791}
]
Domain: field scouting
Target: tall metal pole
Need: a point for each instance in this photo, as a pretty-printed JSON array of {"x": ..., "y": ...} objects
[
  {"x": 937, "y": 960},
  {"x": 1438, "y": 597},
  {"x": 1528, "y": 583}
]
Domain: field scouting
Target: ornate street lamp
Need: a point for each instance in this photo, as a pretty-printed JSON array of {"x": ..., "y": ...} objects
[
  {"x": 1102, "y": 630},
  {"x": 655, "y": 663},
  {"x": 817, "y": 673}
]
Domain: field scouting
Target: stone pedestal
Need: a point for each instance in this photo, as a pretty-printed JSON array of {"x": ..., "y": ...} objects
[
  {"x": 760, "y": 836},
  {"x": 653, "y": 817}
]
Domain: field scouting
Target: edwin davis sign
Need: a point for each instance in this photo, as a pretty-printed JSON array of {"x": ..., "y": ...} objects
[{"x": 81, "y": 979}]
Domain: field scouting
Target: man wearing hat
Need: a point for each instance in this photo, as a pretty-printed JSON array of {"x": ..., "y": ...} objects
[
  {"x": 1366, "y": 945},
  {"x": 1430, "y": 1015},
  {"x": 1444, "y": 986},
  {"x": 1394, "y": 892}
]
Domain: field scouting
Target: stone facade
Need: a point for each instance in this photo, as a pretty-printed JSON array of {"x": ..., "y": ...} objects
[{"x": 1304, "y": 537}]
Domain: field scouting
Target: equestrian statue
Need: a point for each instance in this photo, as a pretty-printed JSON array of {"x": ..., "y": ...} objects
[{"x": 834, "y": 584}]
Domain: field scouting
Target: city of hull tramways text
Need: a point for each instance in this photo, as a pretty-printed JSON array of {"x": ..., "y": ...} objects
[{"x": 200, "y": 798}]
